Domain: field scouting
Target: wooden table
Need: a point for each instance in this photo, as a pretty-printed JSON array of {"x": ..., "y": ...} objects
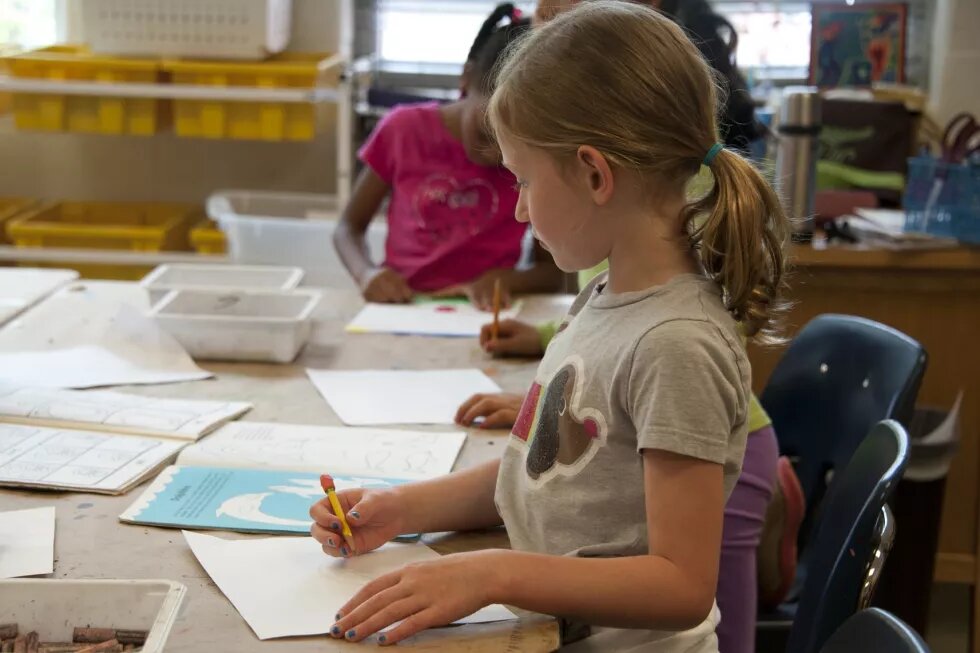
[
  {"x": 934, "y": 297},
  {"x": 91, "y": 543}
]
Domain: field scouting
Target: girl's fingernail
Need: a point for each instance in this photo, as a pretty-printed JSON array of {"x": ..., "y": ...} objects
[
  {"x": 335, "y": 526},
  {"x": 343, "y": 550},
  {"x": 351, "y": 634},
  {"x": 337, "y": 616},
  {"x": 330, "y": 541},
  {"x": 355, "y": 514},
  {"x": 382, "y": 639},
  {"x": 335, "y": 630}
]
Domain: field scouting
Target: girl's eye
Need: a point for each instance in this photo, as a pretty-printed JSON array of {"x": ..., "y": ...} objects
[{"x": 520, "y": 185}]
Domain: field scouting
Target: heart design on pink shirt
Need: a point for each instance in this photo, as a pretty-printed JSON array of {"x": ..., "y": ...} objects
[{"x": 446, "y": 207}]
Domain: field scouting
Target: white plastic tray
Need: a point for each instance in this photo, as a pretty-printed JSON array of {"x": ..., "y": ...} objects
[
  {"x": 53, "y": 607},
  {"x": 245, "y": 326},
  {"x": 165, "y": 278}
]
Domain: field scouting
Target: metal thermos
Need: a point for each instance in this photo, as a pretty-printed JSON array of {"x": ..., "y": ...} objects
[{"x": 796, "y": 154}]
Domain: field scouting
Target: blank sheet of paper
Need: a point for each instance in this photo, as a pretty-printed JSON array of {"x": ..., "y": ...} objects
[
  {"x": 26, "y": 542},
  {"x": 21, "y": 288},
  {"x": 287, "y": 586},
  {"x": 366, "y": 397},
  {"x": 337, "y": 450},
  {"x": 89, "y": 335},
  {"x": 451, "y": 318}
]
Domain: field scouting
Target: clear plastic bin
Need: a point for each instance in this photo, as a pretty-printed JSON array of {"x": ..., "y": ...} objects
[
  {"x": 269, "y": 228},
  {"x": 233, "y": 29},
  {"x": 53, "y": 607},
  {"x": 242, "y": 326},
  {"x": 219, "y": 277}
]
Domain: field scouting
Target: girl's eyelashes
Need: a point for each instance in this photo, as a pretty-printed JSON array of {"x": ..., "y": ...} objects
[{"x": 520, "y": 185}]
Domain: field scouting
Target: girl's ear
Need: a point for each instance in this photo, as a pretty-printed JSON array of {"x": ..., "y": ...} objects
[{"x": 597, "y": 173}]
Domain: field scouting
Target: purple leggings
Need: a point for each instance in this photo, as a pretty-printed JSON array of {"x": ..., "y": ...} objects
[{"x": 744, "y": 516}]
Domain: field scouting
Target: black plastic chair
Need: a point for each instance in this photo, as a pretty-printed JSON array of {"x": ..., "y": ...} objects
[
  {"x": 875, "y": 631},
  {"x": 840, "y": 376},
  {"x": 847, "y": 546}
]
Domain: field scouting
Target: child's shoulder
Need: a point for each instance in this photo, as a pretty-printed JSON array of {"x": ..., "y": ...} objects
[{"x": 411, "y": 117}]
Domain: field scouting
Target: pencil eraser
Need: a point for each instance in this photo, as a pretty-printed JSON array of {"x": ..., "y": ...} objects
[{"x": 326, "y": 482}]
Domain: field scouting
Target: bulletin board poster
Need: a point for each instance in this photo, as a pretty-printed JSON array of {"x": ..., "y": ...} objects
[{"x": 858, "y": 45}]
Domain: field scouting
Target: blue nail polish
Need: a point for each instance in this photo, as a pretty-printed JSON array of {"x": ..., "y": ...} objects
[
  {"x": 343, "y": 550},
  {"x": 382, "y": 639},
  {"x": 330, "y": 541},
  {"x": 335, "y": 630},
  {"x": 335, "y": 526},
  {"x": 351, "y": 634},
  {"x": 355, "y": 514},
  {"x": 337, "y": 616}
]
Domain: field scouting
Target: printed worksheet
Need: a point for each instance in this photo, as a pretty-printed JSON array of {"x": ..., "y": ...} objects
[
  {"x": 337, "y": 450},
  {"x": 66, "y": 459},
  {"x": 102, "y": 410}
]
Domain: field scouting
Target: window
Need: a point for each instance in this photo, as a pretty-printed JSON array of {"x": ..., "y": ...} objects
[
  {"x": 434, "y": 32},
  {"x": 30, "y": 23}
]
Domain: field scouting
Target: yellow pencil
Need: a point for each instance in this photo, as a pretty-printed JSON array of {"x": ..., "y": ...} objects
[
  {"x": 495, "y": 331},
  {"x": 326, "y": 482}
]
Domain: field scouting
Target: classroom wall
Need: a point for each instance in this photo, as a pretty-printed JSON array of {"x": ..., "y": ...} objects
[
  {"x": 164, "y": 167},
  {"x": 955, "y": 59}
]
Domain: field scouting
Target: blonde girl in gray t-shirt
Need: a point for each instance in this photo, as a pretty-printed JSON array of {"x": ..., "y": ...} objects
[{"x": 614, "y": 479}]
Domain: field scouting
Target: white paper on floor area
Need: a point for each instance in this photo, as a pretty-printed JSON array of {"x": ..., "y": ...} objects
[
  {"x": 338, "y": 450},
  {"x": 21, "y": 288},
  {"x": 27, "y": 542},
  {"x": 455, "y": 319},
  {"x": 287, "y": 586},
  {"x": 92, "y": 335},
  {"x": 366, "y": 397}
]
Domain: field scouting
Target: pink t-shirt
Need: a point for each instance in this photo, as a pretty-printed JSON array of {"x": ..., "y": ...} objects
[{"x": 449, "y": 219}]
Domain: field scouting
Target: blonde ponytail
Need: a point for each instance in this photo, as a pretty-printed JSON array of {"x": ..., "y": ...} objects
[{"x": 740, "y": 235}]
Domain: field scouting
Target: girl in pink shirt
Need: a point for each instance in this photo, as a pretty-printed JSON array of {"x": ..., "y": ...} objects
[{"x": 451, "y": 226}]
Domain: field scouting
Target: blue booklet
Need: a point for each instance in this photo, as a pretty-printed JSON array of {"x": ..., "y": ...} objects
[{"x": 247, "y": 500}]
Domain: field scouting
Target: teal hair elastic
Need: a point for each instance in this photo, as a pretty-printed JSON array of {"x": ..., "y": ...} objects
[{"x": 712, "y": 153}]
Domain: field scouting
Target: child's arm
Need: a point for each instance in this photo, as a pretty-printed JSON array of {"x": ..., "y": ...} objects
[
  {"x": 460, "y": 501},
  {"x": 378, "y": 284},
  {"x": 542, "y": 277},
  {"x": 671, "y": 588}
]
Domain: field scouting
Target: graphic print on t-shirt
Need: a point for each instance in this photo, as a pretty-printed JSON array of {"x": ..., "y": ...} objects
[
  {"x": 446, "y": 208},
  {"x": 560, "y": 434}
]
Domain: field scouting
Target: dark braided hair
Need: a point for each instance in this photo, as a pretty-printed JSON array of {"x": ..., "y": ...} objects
[{"x": 491, "y": 41}]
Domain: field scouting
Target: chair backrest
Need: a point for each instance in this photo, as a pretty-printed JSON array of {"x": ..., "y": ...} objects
[
  {"x": 875, "y": 631},
  {"x": 845, "y": 536},
  {"x": 840, "y": 376}
]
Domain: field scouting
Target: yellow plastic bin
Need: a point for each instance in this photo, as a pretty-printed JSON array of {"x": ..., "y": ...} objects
[
  {"x": 11, "y": 207},
  {"x": 134, "y": 226},
  {"x": 267, "y": 121},
  {"x": 90, "y": 114},
  {"x": 207, "y": 238},
  {"x": 5, "y": 98}
]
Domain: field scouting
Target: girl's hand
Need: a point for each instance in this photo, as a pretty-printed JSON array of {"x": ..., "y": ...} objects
[
  {"x": 374, "y": 517},
  {"x": 480, "y": 291},
  {"x": 497, "y": 410},
  {"x": 514, "y": 338},
  {"x": 386, "y": 286},
  {"x": 421, "y": 595}
]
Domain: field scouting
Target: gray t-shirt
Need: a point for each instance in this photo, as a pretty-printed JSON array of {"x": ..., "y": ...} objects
[{"x": 662, "y": 368}]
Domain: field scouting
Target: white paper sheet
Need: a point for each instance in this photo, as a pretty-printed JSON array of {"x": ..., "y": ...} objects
[
  {"x": 456, "y": 319},
  {"x": 78, "y": 460},
  {"x": 27, "y": 542},
  {"x": 90, "y": 335},
  {"x": 372, "y": 453},
  {"x": 101, "y": 410},
  {"x": 287, "y": 586},
  {"x": 371, "y": 397},
  {"x": 21, "y": 288}
]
